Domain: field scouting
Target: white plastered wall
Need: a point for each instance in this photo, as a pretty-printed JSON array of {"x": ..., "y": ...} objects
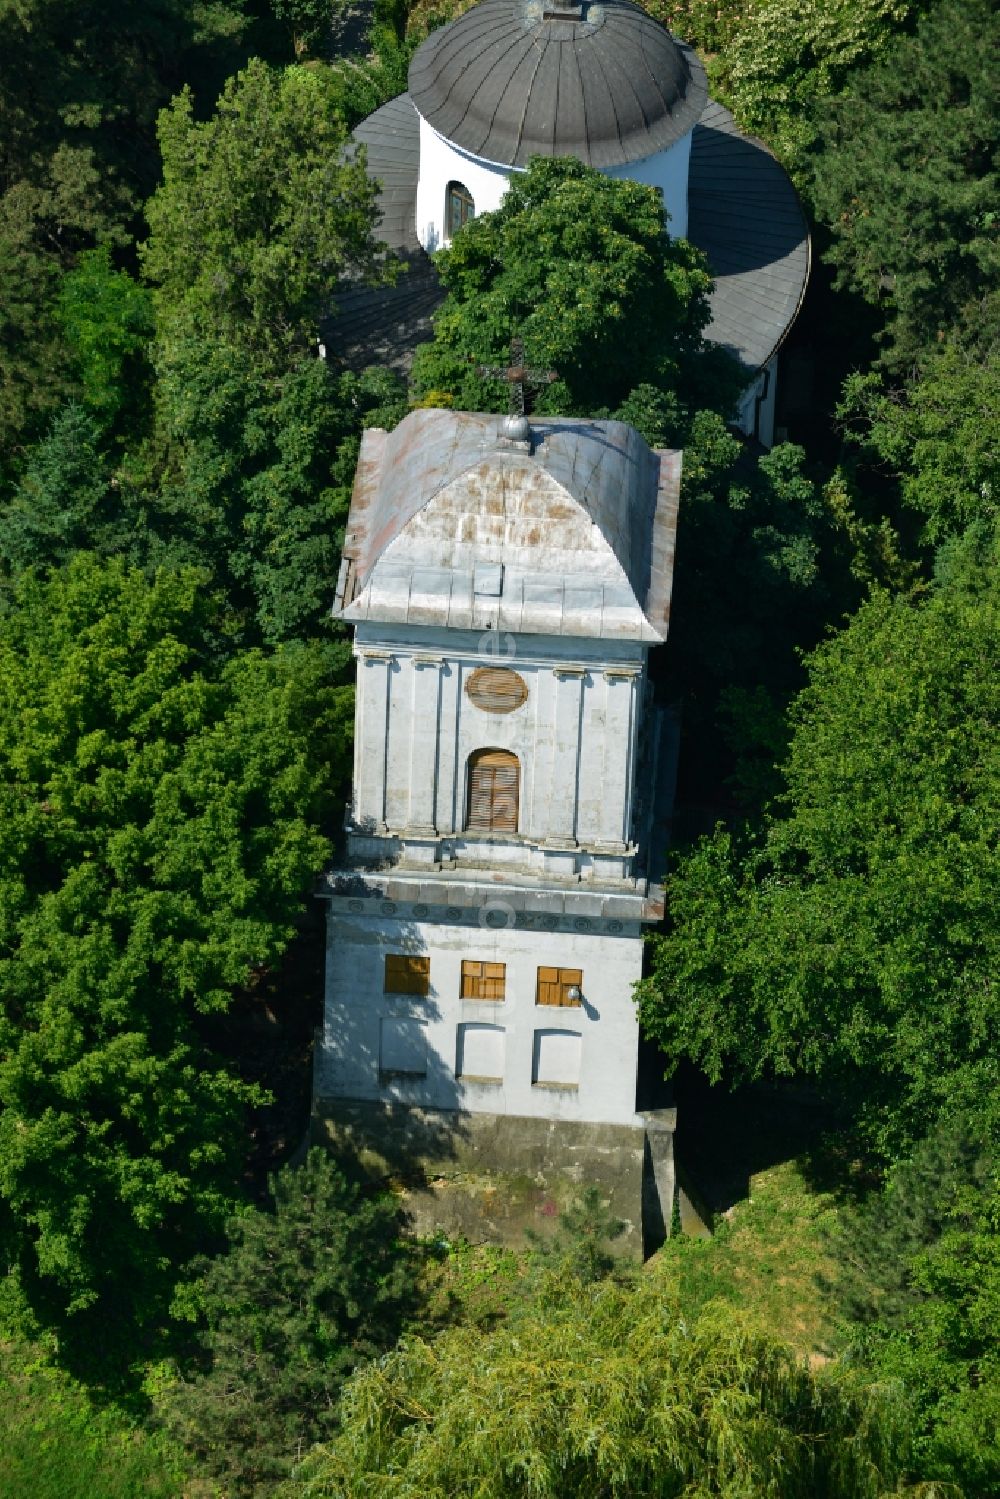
[
  {"x": 755, "y": 415},
  {"x": 606, "y": 1024},
  {"x": 442, "y": 162},
  {"x": 667, "y": 170},
  {"x": 574, "y": 736}
]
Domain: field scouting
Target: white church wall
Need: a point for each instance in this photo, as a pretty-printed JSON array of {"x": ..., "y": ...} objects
[
  {"x": 510, "y": 1057},
  {"x": 667, "y": 170},
  {"x": 755, "y": 414},
  {"x": 574, "y": 737},
  {"x": 442, "y": 162}
]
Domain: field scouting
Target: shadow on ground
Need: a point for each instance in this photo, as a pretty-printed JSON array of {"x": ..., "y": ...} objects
[{"x": 725, "y": 1137}]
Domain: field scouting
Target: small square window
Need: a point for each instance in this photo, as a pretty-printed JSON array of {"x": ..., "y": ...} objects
[
  {"x": 406, "y": 975},
  {"x": 560, "y": 986},
  {"x": 483, "y": 980}
]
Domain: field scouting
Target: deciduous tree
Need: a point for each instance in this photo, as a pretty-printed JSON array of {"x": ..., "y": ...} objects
[
  {"x": 257, "y": 214},
  {"x": 302, "y": 1296},
  {"x": 604, "y": 1390},
  {"x": 906, "y": 177},
  {"x": 164, "y": 811},
  {"x": 581, "y": 266},
  {"x": 858, "y": 939}
]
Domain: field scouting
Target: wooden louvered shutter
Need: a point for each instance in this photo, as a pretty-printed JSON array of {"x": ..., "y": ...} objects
[
  {"x": 494, "y": 788},
  {"x": 496, "y": 689}
]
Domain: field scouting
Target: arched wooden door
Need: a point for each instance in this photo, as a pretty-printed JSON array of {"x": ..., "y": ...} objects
[{"x": 494, "y": 788}]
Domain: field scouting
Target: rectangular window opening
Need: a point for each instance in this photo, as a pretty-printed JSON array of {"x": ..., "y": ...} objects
[
  {"x": 483, "y": 980},
  {"x": 560, "y": 986},
  {"x": 407, "y": 975}
]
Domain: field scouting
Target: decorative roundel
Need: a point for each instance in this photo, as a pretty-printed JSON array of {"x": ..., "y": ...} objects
[
  {"x": 582, "y": 924},
  {"x": 548, "y": 923},
  {"x": 388, "y": 908},
  {"x": 453, "y": 913},
  {"x": 355, "y": 905},
  {"x": 615, "y": 926},
  {"x": 421, "y": 910},
  {"x": 497, "y": 689}
]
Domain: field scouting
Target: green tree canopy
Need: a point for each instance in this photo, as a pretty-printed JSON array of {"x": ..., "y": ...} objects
[
  {"x": 858, "y": 940},
  {"x": 64, "y": 502},
  {"x": 107, "y": 320},
  {"x": 774, "y": 62},
  {"x": 937, "y": 433},
  {"x": 907, "y": 177},
  {"x": 918, "y": 1288},
  {"x": 257, "y": 214},
  {"x": 303, "y": 1295},
  {"x": 82, "y": 86},
  {"x": 606, "y": 1391},
  {"x": 255, "y": 479},
  {"x": 581, "y": 266},
  {"x": 163, "y": 816}
]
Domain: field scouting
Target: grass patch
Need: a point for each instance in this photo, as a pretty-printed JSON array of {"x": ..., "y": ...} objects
[
  {"x": 767, "y": 1256},
  {"x": 55, "y": 1444}
]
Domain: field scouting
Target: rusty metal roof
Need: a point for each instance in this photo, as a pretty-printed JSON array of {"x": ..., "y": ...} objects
[
  {"x": 512, "y": 79},
  {"x": 449, "y": 525}
]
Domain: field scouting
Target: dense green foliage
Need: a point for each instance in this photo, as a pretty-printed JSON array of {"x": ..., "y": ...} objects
[
  {"x": 858, "y": 939},
  {"x": 919, "y": 1289},
  {"x": 908, "y": 174},
  {"x": 772, "y": 62},
  {"x": 82, "y": 87},
  {"x": 302, "y": 1295},
  {"x": 939, "y": 434},
  {"x": 256, "y": 480},
  {"x": 603, "y": 1390},
  {"x": 107, "y": 321},
  {"x": 163, "y": 812},
  {"x": 257, "y": 215},
  {"x": 581, "y": 267},
  {"x": 762, "y": 558}
]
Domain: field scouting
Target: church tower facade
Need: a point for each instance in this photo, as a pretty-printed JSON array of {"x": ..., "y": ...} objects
[{"x": 505, "y": 585}]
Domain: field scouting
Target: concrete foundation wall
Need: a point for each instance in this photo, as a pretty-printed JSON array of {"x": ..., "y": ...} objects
[{"x": 492, "y": 1178}]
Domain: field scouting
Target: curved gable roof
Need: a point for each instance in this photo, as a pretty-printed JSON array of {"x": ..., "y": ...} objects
[{"x": 450, "y": 526}]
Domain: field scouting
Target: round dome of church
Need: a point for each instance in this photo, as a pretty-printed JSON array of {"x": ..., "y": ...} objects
[{"x": 602, "y": 81}]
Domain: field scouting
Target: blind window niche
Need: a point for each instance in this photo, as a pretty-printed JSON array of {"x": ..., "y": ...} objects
[
  {"x": 407, "y": 975},
  {"x": 555, "y": 984},
  {"x": 483, "y": 980},
  {"x": 494, "y": 789}
]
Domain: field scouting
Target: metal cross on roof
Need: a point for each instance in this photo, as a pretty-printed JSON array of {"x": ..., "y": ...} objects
[{"x": 519, "y": 377}]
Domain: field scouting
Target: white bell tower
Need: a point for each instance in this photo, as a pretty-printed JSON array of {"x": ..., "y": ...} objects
[{"x": 505, "y": 584}]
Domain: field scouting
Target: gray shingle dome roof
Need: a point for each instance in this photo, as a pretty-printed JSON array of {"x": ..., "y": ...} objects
[{"x": 512, "y": 79}]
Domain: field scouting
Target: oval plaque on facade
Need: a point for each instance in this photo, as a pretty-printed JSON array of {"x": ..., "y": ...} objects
[{"x": 496, "y": 689}]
